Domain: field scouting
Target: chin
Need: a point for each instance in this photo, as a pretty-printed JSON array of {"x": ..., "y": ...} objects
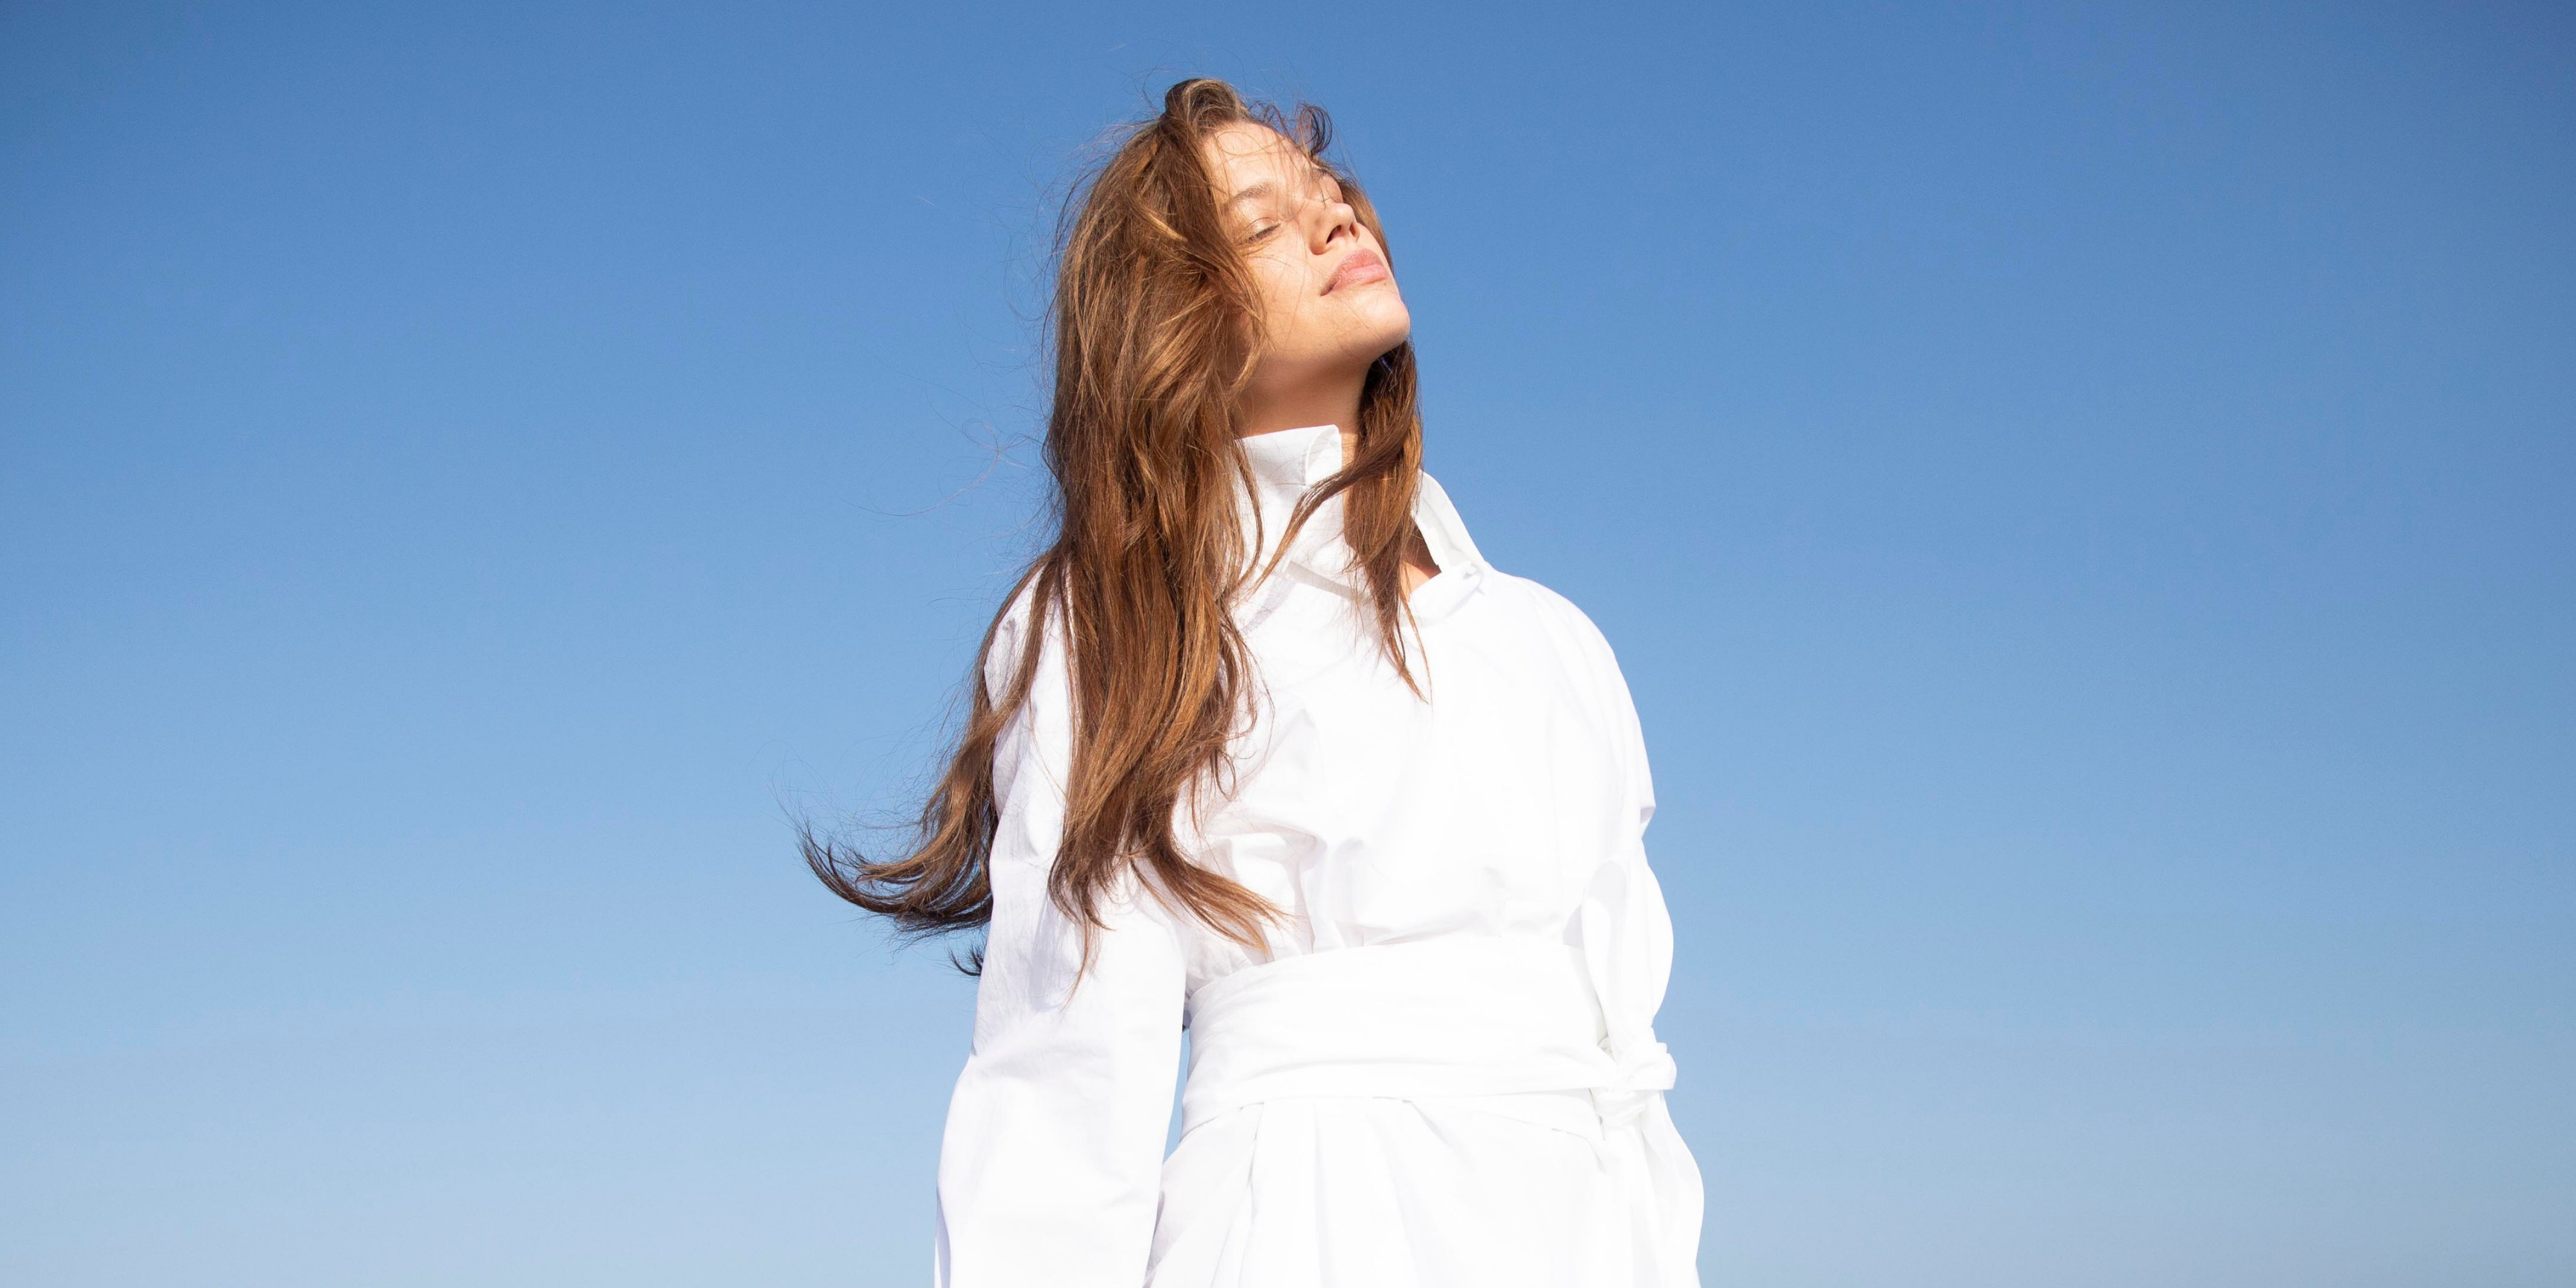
[{"x": 1387, "y": 327}]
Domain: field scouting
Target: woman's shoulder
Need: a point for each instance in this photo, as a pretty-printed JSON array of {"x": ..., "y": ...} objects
[
  {"x": 1540, "y": 605},
  {"x": 1007, "y": 644},
  {"x": 1545, "y": 609}
]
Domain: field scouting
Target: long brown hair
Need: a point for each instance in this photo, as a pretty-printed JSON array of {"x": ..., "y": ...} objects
[{"x": 1154, "y": 326}]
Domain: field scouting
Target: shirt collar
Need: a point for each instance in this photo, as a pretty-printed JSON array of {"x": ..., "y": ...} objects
[{"x": 1288, "y": 463}]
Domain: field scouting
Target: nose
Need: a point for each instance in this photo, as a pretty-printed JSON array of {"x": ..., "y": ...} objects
[{"x": 1337, "y": 221}]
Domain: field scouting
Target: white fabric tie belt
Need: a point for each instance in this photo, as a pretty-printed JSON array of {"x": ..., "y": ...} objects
[
  {"x": 1513, "y": 1026},
  {"x": 1429, "y": 1020}
]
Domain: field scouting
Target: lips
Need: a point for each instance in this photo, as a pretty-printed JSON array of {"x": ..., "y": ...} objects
[{"x": 1357, "y": 268}]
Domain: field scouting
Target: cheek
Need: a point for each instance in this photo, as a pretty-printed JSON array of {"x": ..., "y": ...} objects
[
  {"x": 1279, "y": 282},
  {"x": 1285, "y": 303}
]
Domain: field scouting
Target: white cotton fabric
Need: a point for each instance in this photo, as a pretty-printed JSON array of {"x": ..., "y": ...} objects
[{"x": 1442, "y": 1072}]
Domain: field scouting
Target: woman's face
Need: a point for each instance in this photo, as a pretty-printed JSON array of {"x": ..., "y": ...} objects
[{"x": 1328, "y": 299}]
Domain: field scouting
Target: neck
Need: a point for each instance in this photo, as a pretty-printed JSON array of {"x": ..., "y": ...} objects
[{"x": 1333, "y": 402}]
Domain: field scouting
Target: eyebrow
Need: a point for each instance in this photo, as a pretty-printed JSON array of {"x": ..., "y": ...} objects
[{"x": 1260, "y": 188}]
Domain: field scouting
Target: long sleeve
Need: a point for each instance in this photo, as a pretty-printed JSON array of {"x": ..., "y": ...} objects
[
  {"x": 1629, "y": 933},
  {"x": 1627, "y": 936},
  {"x": 1049, "y": 1172}
]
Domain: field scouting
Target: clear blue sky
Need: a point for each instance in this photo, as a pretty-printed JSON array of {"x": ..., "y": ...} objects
[{"x": 2082, "y": 495}]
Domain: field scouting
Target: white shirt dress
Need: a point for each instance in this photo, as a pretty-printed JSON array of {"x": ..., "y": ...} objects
[{"x": 1443, "y": 1072}]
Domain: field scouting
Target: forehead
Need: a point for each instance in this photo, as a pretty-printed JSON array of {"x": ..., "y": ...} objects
[{"x": 1245, "y": 154}]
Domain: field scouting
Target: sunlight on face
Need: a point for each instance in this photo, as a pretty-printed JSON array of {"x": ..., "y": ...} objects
[{"x": 1329, "y": 302}]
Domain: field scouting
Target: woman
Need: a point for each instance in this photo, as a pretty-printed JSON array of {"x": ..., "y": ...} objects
[{"x": 1266, "y": 749}]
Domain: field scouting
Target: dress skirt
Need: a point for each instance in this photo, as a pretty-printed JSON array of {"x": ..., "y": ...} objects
[{"x": 1377, "y": 1192}]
